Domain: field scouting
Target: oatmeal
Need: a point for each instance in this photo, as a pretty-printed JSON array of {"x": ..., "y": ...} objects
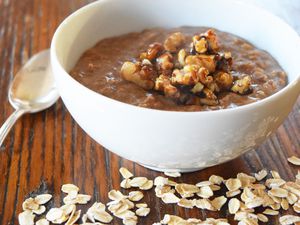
[{"x": 182, "y": 69}]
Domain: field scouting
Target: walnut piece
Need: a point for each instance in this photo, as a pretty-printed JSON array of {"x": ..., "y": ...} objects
[
  {"x": 132, "y": 72},
  {"x": 200, "y": 44},
  {"x": 152, "y": 52},
  {"x": 165, "y": 63},
  {"x": 163, "y": 83},
  {"x": 207, "y": 61},
  {"x": 174, "y": 41},
  {"x": 224, "y": 80},
  {"x": 242, "y": 86}
]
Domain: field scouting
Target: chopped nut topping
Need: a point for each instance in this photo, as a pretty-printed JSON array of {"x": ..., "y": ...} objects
[
  {"x": 152, "y": 52},
  {"x": 242, "y": 86},
  {"x": 200, "y": 44},
  {"x": 194, "y": 78},
  {"x": 174, "y": 41},
  {"x": 224, "y": 80},
  {"x": 132, "y": 72},
  {"x": 165, "y": 63}
]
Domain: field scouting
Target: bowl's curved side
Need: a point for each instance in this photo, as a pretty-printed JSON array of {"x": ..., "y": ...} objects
[
  {"x": 168, "y": 141},
  {"x": 161, "y": 139}
]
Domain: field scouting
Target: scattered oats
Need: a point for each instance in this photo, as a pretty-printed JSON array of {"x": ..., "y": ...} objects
[
  {"x": 74, "y": 217},
  {"x": 68, "y": 209},
  {"x": 30, "y": 204},
  {"x": 160, "y": 181},
  {"x": 204, "y": 183},
  {"x": 262, "y": 218},
  {"x": 271, "y": 183},
  {"x": 186, "y": 203},
  {"x": 183, "y": 189},
  {"x": 141, "y": 205},
  {"x": 138, "y": 181},
  {"x": 147, "y": 186},
  {"x": 275, "y": 174},
  {"x": 215, "y": 187},
  {"x": 261, "y": 175},
  {"x": 102, "y": 216},
  {"x": 172, "y": 174},
  {"x": 270, "y": 212},
  {"x": 292, "y": 187},
  {"x": 275, "y": 206},
  {"x": 218, "y": 202},
  {"x": 83, "y": 199},
  {"x": 214, "y": 179},
  {"x": 289, "y": 219},
  {"x": 142, "y": 211},
  {"x": 169, "y": 198},
  {"x": 292, "y": 198},
  {"x": 125, "y": 183},
  {"x": 67, "y": 188},
  {"x": 170, "y": 219},
  {"x": 40, "y": 210},
  {"x": 69, "y": 200},
  {"x": 115, "y": 195},
  {"x": 230, "y": 194},
  {"x": 234, "y": 205},
  {"x": 135, "y": 196},
  {"x": 42, "y": 199},
  {"x": 245, "y": 179},
  {"x": 125, "y": 173},
  {"x": 160, "y": 190},
  {"x": 194, "y": 221},
  {"x": 205, "y": 192},
  {"x": 204, "y": 204},
  {"x": 54, "y": 214},
  {"x": 239, "y": 216},
  {"x": 129, "y": 203},
  {"x": 26, "y": 218},
  {"x": 233, "y": 184},
  {"x": 42, "y": 222},
  {"x": 124, "y": 214},
  {"x": 278, "y": 192},
  {"x": 294, "y": 160},
  {"x": 257, "y": 186},
  {"x": 254, "y": 203},
  {"x": 296, "y": 207},
  {"x": 84, "y": 218},
  {"x": 130, "y": 221},
  {"x": 284, "y": 204}
]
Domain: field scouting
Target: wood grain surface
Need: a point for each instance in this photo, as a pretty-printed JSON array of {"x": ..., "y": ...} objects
[{"x": 48, "y": 149}]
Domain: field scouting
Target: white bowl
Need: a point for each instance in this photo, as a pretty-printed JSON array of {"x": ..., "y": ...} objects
[{"x": 166, "y": 140}]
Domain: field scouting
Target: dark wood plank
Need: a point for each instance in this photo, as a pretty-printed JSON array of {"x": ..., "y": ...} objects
[{"x": 50, "y": 147}]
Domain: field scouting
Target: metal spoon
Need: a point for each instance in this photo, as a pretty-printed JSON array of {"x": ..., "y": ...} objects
[{"x": 32, "y": 90}]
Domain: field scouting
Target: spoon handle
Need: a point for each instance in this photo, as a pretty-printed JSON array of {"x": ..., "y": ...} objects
[{"x": 9, "y": 124}]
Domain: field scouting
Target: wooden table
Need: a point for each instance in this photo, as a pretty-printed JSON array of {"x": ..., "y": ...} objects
[{"x": 49, "y": 148}]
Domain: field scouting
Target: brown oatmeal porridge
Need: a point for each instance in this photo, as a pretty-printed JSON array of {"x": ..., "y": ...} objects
[{"x": 181, "y": 69}]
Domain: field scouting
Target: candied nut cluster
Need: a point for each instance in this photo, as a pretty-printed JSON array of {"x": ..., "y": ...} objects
[{"x": 194, "y": 75}]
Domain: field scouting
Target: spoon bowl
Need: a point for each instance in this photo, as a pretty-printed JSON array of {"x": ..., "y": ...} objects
[{"x": 32, "y": 90}]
